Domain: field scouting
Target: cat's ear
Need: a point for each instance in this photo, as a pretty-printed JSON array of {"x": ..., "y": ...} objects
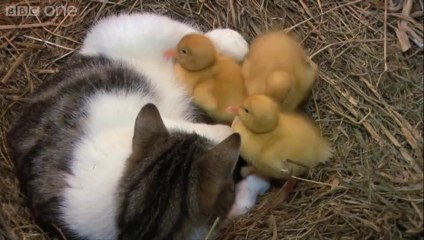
[
  {"x": 217, "y": 171},
  {"x": 148, "y": 126},
  {"x": 223, "y": 157}
]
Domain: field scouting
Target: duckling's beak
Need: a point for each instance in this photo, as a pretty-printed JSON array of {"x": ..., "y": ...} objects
[
  {"x": 233, "y": 109},
  {"x": 170, "y": 53}
]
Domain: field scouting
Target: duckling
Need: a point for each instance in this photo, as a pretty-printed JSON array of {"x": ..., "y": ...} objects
[
  {"x": 277, "y": 145},
  {"x": 214, "y": 80},
  {"x": 277, "y": 66}
]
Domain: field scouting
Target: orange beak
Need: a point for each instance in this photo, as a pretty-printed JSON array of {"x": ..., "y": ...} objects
[
  {"x": 170, "y": 53},
  {"x": 233, "y": 110}
]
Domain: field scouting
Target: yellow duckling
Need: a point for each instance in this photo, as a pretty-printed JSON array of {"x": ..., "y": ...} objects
[
  {"x": 277, "y": 145},
  {"x": 214, "y": 80},
  {"x": 277, "y": 66}
]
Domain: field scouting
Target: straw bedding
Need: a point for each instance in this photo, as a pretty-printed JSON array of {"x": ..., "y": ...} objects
[{"x": 368, "y": 101}]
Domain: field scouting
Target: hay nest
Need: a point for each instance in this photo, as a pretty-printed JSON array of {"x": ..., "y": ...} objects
[{"x": 368, "y": 101}]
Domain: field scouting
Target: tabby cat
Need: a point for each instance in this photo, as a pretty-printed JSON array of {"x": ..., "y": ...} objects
[{"x": 112, "y": 147}]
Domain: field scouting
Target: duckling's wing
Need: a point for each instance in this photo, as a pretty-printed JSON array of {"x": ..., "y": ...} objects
[
  {"x": 279, "y": 84},
  {"x": 204, "y": 97}
]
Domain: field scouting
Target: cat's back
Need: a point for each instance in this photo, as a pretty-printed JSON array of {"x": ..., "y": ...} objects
[
  {"x": 58, "y": 105},
  {"x": 130, "y": 40},
  {"x": 89, "y": 95}
]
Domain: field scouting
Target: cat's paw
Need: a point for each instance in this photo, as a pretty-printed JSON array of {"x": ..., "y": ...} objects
[
  {"x": 229, "y": 42},
  {"x": 257, "y": 184},
  {"x": 244, "y": 200},
  {"x": 241, "y": 208},
  {"x": 247, "y": 192}
]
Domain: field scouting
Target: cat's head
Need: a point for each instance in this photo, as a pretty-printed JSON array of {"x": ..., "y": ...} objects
[{"x": 175, "y": 181}]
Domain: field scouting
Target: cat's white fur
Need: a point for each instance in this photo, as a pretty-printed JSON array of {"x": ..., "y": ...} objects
[
  {"x": 247, "y": 191},
  {"x": 229, "y": 42},
  {"x": 90, "y": 202}
]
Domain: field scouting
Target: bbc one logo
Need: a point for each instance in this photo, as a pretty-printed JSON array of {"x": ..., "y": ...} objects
[{"x": 49, "y": 11}]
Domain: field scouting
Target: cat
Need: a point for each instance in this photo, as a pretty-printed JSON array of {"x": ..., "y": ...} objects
[{"x": 113, "y": 148}]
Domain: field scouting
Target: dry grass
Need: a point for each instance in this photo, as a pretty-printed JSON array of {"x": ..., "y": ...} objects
[{"x": 368, "y": 101}]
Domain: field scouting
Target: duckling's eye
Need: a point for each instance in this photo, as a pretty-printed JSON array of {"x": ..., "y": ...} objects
[
  {"x": 183, "y": 51},
  {"x": 246, "y": 110}
]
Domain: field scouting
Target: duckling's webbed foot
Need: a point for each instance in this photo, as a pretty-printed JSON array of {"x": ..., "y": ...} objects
[
  {"x": 286, "y": 171},
  {"x": 290, "y": 182},
  {"x": 289, "y": 186},
  {"x": 280, "y": 196}
]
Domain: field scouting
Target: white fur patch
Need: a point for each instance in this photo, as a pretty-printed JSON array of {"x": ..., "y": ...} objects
[
  {"x": 135, "y": 36},
  {"x": 247, "y": 192},
  {"x": 90, "y": 207},
  {"x": 229, "y": 42}
]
